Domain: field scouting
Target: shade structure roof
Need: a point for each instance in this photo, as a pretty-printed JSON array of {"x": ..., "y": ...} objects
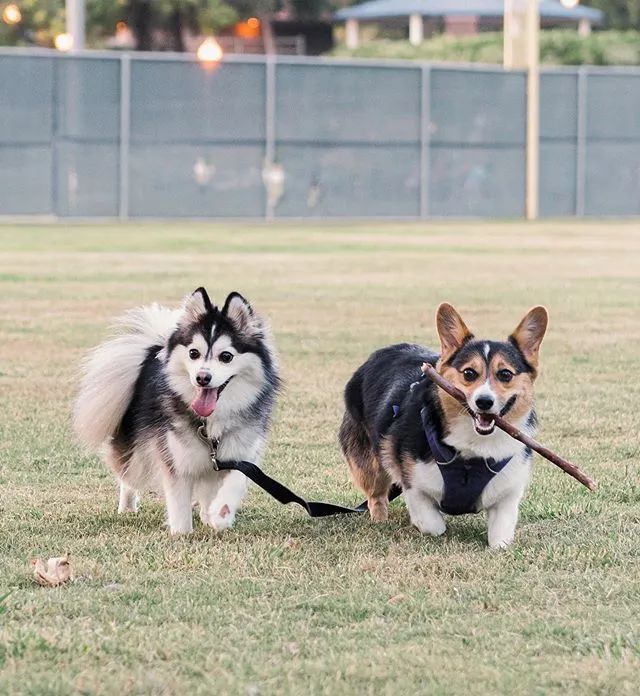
[{"x": 387, "y": 9}]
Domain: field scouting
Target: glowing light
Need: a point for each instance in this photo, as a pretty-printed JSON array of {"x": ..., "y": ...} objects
[
  {"x": 11, "y": 14},
  {"x": 569, "y": 4},
  {"x": 209, "y": 51},
  {"x": 63, "y": 42},
  {"x": 249, "y": 29}
]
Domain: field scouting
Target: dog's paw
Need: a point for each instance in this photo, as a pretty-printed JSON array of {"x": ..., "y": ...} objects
[
  {"x": 378, "y": 511},
  {"x": 129, "y": 503},
  {"x": 204, "y": 517},
  {"x": 432, "y": 524},
  {"x": 220, "y": 518},
  {"x": 500, "y": 544}
]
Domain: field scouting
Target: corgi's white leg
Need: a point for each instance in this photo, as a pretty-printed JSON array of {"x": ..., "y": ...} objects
[
  {"x": 222, "y": 511},
  {"x": 424, "y": 512},
  {"x": 502, "y": 519},
  {"x": 129, "y": 500},
  {"x": 177, "y": 494}
]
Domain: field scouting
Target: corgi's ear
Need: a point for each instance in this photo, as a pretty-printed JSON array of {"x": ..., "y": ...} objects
[
  {"x": 239, "y": 312},
  {"x": 197, "y": 304},
  {"x": 529, "y": 334},
  {"x": 453, "y": 332}
]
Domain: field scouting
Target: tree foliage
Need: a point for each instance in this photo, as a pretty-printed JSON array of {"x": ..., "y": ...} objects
[
  {"x": 620, "y": 14},
  {"x": 43, "y": 19}
]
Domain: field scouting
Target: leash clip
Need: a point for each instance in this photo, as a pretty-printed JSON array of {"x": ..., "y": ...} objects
[{"x": 212, "y": 444}]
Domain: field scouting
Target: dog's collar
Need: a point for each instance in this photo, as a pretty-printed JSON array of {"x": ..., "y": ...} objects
[{"x": 211, "y": 443}]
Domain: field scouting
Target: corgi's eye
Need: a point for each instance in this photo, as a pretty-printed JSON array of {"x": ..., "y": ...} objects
[
  {"x": 504, "y": 376},
  {"x": 225, "y": 356},
  {"x": 470, "y": 374},
  {"x": 194, "y": 354}
]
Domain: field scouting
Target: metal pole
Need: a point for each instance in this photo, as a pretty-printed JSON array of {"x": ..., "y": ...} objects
[
  {"x": 125, "y": 134},
  {"x": 425, "y": 139},
  {"x": 581, "y": 142},
  {"x": 270, "y": 131},
  {"x": 533, "y": 111},
  {"x": 75, "y": 23}
]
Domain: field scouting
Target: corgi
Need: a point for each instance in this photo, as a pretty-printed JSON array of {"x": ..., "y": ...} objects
[{"x": 400, "y": 428}]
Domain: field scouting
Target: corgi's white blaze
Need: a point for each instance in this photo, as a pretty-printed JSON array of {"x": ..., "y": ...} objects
[{"x": 502, "y": 495}]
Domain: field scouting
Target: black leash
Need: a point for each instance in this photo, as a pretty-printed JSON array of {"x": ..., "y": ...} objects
[{"x": 276, "y": 489}]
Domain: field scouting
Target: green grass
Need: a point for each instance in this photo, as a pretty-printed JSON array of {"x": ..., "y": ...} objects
[{"x": 283, "y": 604}]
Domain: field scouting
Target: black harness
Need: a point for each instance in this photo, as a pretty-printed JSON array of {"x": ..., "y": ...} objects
[{"x": 464, "y": 479}]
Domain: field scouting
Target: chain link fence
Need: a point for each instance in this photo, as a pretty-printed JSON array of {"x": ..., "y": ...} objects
[{"x": 158, "y": 135}]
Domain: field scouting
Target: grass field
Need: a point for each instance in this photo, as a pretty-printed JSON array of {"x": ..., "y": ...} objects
[{"x": 283, "y": 604}]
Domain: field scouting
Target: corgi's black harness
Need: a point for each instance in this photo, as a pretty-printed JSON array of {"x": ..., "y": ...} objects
[{"x": 464, "y": 479}]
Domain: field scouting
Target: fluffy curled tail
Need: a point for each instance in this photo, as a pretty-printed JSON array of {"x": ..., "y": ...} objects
[{"x": 110, "y": 372}]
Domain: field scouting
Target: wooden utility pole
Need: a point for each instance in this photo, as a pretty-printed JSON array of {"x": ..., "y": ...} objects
[{"x": 522, "y": 52}]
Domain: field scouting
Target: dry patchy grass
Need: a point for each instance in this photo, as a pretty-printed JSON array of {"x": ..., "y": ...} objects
[{"x": 283, "y": 604}]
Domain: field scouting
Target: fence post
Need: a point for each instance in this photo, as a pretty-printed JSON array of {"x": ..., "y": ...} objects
[
  {"x": 581, "y": 142},
  {"x": 425, "y": 139},
  {"x": 125, "y": 134},
  {"x": 54, "y": 134},
  {"x": 270, "y": 132},
  {"x": 532, "y": 195}
]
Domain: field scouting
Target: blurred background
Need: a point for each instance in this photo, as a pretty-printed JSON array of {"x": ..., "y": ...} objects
[{"x": 319, "y": 108}]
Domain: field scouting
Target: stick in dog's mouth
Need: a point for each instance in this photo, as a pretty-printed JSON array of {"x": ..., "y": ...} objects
[{"x": 484, "y": 423}]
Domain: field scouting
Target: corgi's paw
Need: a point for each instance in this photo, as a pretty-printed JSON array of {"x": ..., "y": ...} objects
[{"x": 432, "y": 524}]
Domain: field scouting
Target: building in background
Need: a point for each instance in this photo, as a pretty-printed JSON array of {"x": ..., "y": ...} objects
[{"x": 422, "y": 18}]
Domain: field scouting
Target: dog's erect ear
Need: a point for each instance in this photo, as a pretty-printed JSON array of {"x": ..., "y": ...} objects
[
  {"x": 197, "y": 304},
  {"x": 529, "y": 334},
  {"x": 453, "y": 332},
  {"x": 241, "y": 315}
]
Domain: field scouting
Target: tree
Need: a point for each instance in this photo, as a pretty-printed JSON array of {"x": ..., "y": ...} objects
[
  {"x": 42, "y": 20},
  {"x": 619, "y": 14}
]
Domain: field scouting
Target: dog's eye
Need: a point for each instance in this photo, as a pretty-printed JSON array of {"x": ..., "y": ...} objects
[
  {"x": 194, "y": 354},
  {"x": 225, "y": 356},
  {"x": 504, "y": 375},
  {"x": 470, "y": 374}
]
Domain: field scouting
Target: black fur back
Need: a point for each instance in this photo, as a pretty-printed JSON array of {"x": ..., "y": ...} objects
[{"x": 384, "y": 382}]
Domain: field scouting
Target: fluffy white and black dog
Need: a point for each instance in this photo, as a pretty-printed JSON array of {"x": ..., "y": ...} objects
[{"x": 146, "y": 391}]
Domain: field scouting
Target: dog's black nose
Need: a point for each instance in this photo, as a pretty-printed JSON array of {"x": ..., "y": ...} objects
[
  {"x": 203, "y": 378},
  {"x": 484, "y": 403}
]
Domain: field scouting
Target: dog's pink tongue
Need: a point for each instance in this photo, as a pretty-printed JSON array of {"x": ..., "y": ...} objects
[{"x": 205, "y": 403}]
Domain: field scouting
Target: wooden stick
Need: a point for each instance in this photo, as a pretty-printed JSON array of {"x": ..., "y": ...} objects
[{"x": 511, "y": 430}]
